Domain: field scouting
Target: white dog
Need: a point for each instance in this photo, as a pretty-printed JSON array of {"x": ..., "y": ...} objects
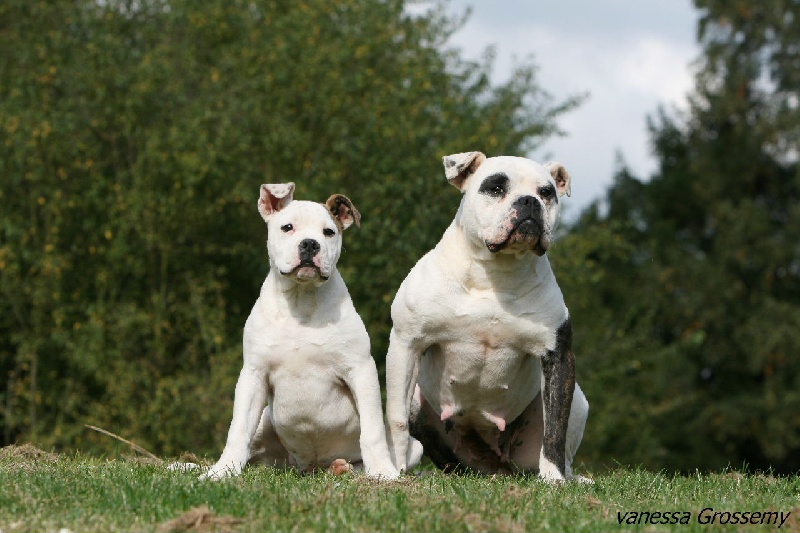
[
  {"x": 480, "y": 365},
  {"x": 308, "y": 394}
]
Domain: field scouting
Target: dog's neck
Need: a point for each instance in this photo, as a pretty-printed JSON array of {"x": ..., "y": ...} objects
[
  {"x": 476, "y": 268},
  {"x": 300, "y": 300}
]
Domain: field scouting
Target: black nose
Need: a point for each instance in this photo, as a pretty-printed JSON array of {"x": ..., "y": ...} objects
[
  {"x": 527, "y": 207},
  {"x": 308, "y": 248}
]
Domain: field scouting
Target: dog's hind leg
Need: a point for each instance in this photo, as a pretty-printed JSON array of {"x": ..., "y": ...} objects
[
  {"x": 525, "y": 443},
  {"x": 428, "y": 432},
  {"x": 267, "y": 448},
  {"x": 415, "y": 450}
]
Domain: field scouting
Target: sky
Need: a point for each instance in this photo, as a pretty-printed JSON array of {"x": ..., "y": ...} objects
[{"x": 629, "y": 56}]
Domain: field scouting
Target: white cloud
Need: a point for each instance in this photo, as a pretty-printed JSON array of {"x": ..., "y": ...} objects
[
  {"x": 630, "y": 56},
  {"x": 658, "y": 69}
]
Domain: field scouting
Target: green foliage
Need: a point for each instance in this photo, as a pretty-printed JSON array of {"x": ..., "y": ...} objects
[
  {"x": 686, "y": 288},
  {"x": 133, "y": 139}
]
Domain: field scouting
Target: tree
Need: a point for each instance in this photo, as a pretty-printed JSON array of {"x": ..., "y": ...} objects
[
  {"x": 135, "y": 135},
  {"x": 707, "y": 314}
]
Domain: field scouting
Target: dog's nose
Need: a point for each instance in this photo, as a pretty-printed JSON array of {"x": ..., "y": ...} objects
[
  {"x": 526, "y": 200},
  {"x": 527, "y": 207},
  {"x": 308, "y": 248}
]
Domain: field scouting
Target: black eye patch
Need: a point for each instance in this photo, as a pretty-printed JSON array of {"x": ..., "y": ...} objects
[
  {"x": 547, "y": 192},
  {"x": 495, "y": 186}
]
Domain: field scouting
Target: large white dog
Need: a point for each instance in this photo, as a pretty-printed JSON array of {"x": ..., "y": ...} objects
[
  {"x": 480, "y": 365},
  {"x": 308, "y": 393}
]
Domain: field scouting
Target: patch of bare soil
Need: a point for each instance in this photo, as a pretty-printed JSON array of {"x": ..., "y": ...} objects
[{"x": 200, "y": 519}]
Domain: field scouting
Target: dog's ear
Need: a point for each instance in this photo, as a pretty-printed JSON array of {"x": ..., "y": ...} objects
[
  {"x": 274, "y": 197},
  {"x": 343, "y": 211},
  {"x": 458, "y": 167},
  {"x": 560, "y": 174}
]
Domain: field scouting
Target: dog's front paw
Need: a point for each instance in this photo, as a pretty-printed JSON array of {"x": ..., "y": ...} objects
[
  {"x": 549, "y": 472},
  {"x": 215, "y": 475},
  {"x": 385, "y": 472},
  {"x": 221, "y": 471},
  {"x": 182, "y": 467}
]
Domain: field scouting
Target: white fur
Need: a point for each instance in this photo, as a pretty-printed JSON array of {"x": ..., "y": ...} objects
[
  {"x": 308, "y": 392},
  {"x": 470, "y": 326}
]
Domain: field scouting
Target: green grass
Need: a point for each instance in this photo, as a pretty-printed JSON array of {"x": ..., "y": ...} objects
[{"x": 43, "y": 492}]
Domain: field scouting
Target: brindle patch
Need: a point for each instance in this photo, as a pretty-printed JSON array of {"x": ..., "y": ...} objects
[{"x": 558, "y": 368}]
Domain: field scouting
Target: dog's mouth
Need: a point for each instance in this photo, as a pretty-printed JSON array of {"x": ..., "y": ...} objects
[
  {"x": 306, "y": 270},
  {"x": 527, "y": 233}
]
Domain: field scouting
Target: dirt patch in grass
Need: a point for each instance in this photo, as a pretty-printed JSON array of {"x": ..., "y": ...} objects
[
  {"x": 200, "y": 519},
  {"x": 189, "y": 457},
  {"x": 28, "y": 452},
  {"x": 793, "y": 522}
]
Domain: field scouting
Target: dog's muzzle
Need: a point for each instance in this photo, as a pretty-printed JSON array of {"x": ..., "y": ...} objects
[
  {"x": 306, "y": 268},
  {"x": 527, "y": 227}
]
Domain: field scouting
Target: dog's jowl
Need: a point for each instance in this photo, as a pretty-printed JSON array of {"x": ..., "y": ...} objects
[
  {"x": 480, "y": 367},
  {"x": 308, "y": 393}
]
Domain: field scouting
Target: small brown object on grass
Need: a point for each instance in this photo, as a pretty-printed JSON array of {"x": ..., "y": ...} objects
[
  {"x": 200, "y": 519},
  {"x": 339, "y": 467}
]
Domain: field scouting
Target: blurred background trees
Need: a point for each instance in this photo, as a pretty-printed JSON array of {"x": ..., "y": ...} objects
[
  {"x": 135, "y": 136},
  {"x": 686, "y": 298}
]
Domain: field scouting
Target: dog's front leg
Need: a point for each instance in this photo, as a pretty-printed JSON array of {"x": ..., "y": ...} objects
[
  {"x": 558, "y": 384},
  {"x": 364, "y": 384},
  {"x": 249, "y": 402},
  {"x": 402, "y": 370}
]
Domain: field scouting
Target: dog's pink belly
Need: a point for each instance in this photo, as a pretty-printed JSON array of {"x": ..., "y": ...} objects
[
  {"x": 516, "y": 449},
  {"x": 480, "y": 388}
]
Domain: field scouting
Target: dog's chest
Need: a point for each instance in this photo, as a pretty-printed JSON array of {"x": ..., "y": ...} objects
[
  {"x": 306, "y": 387},
  {"x": 482, "y": 367},
  {"x": 308, "y": 353},
  {"x": 278, "y": 334},
  {"x": 291, "y": 348}
]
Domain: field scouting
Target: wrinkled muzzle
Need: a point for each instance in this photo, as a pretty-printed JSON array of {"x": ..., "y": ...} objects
[
  {"x": 527, "y": 228},
  {"x": 308, "y": 263}
]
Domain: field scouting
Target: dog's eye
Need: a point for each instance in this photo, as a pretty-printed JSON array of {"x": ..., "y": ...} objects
[
  {"x": 286, "y": 228},
  {"x": 546, "y": 192},
  {"x": 495, "y": 186},
  {"x": 328, "y": 232}
]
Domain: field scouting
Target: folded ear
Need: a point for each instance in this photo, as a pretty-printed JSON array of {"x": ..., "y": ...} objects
[
  {"x": 274, "y": 197},
  {"x": 560, "y": 174},
  {"x": 458, "y": 167},
  {"x": 343, "y": 211}
]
